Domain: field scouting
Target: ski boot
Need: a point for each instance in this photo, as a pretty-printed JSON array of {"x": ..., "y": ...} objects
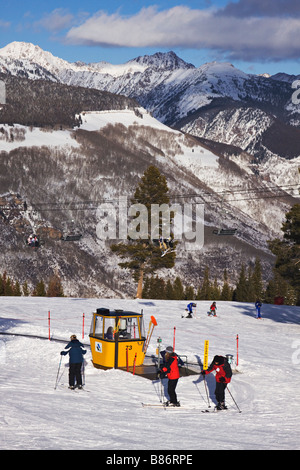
[{"x": 221, "y": 406}]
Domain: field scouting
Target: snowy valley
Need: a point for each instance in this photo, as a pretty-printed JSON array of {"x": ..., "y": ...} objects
[{"x": 82, "y": 164}]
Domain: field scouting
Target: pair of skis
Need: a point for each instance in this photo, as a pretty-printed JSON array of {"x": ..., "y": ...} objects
[
  {"x": 167, "y": 407},
  {"x": 207, "y": 410},
  {"x": 191, "y": 408},
  {"x": 75, "y": 389},
  {"x": 168, "y": 250}
]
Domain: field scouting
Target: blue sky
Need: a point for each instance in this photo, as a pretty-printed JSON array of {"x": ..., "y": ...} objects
[{"x": 255, "y": 35}]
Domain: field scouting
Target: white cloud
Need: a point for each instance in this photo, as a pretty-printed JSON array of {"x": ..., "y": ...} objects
[
  {"x": 4, "y": 24},
  {"x": 55, "y": 21},
  {"x": 147, "y": 28},
  {"x": 249, "y": 37}
]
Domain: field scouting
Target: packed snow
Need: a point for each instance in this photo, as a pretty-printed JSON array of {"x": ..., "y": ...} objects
[
  {"x": 108, "y": 414},
  {"x": 29, "y": 136},
  {"x": 96, "y": 120}
]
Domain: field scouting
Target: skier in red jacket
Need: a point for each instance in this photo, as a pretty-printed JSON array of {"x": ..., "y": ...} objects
[
  {"x": 171, "y": 369},
  {"x": 213, "y": 309},
  {"x": 223, "y": 376}
]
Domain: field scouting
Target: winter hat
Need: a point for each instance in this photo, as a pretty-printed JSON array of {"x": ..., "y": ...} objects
[
  {"x": 218, "y": 359},
  {"x": 169, "y": 350},
  {"x": 73, "y": 337}
]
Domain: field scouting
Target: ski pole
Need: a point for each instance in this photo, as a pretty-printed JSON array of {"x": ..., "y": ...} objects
[
  {"x": 83, "y": 373},
  {"x": 233, "y": 400},
  {"x": 58, "y": 373},
  {"x": 209, "y": 406},
  {"x": 161, "y": 391}
]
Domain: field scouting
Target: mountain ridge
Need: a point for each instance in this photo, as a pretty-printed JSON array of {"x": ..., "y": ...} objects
[{"x": 175, "y": 91}]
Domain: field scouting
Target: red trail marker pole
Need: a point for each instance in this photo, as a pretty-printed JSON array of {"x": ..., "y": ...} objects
[
  {"x": 134, "y": 362},
  {"x": 127, "y": 364},
  {"x": 82, "y": 325},
  {"x": 49, "y": 325},
  {"x": 237, "y": 350}
]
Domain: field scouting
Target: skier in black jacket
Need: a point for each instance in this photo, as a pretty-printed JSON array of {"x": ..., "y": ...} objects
[
  {"x": 223, "y": 376},
  {"x": 76, "y": 353}
]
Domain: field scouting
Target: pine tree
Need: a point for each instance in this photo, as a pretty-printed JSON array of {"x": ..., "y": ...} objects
[
  {"x": 55, "y": 288},
  {"x": 178, "y": 289},
  {"x": 142, "y": 256},
  {"x": 189, "y": 293},
  {"x": 276, "y": 287},
  {"x": 157, "y": 288},
  {"x": 40, "y": 290},
  {"x": 287, "y": 251},
  {"x": 241, "y": 288},
  {"x": 169, "y": 290},
  {"x": 205, "y": 291},
  {"x": 17, "y": 289},
  {"x": 146, "y": 289},
  {"x": 226, "y": 293},
  {"x": 3, "y": 284},
  {"x": 291, "y": 226},
  {"x": 270, "y": 292},
  {"x": 257, "y": 280},
  {"x": 215, "y": 291},
  {"x": 9, "y": 287},
  {"x": 25, "y": 289},
  {"x": 250, "y": 289}
]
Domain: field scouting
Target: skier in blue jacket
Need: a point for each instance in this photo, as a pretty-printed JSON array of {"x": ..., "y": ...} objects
[
  {"x": 258, "y": 307},
  {"x": 189, "y": 308},
  {"x": 76, "y": 352}
]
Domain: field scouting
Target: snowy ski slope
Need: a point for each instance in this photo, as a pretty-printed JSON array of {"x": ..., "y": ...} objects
[{"x": 109, "y": 416}]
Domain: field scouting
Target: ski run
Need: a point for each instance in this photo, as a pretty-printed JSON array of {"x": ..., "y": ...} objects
[{"x": 265, "y": 384}]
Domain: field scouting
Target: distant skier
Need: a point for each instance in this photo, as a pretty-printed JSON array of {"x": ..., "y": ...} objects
[
  {"x": 213, "y": 309},
  {"x": 258, "y": 306},
  {"x": 223, "y": 377},
  {"x": 171, "y": 369},
  {"x": 189, "y": 309},
  {"x": 166, "y": 245},
  {"x": 76, "y": 352}
]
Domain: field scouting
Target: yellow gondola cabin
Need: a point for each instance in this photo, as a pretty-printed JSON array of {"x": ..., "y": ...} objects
[{"x": 117, "y": 338}]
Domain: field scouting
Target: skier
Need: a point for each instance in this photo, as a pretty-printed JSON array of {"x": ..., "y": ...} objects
[
  {"x": 258, "y": 307},
  {"x": 166, "y": 245},
  {"x": 223, "y": 377},
  {"x": 76, "y": 353},
  {"x": 172, "y": 371},
  {"x": 189, "y": 309},
  {"x": 213, "y": 309}
]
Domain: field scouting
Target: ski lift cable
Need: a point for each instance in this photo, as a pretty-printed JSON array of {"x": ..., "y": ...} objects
[
  {"x": 95, "y": 204},
  {"x": 57, "y": 207},
  {"x": 77, "y": 206}
]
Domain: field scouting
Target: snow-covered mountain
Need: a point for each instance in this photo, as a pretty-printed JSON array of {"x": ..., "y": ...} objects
[
  {"x": 76, "y": 127},
  {"x": 196, "y": 100},
  {"x": 162, "y": 74}
]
